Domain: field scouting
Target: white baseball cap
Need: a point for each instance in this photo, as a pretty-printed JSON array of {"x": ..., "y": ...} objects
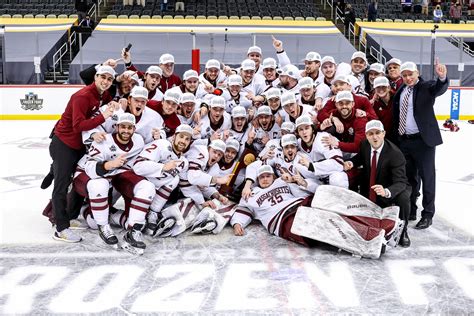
[
  {"x": 381, "y": 82},
  {"x": 254, "y": 49},
  {"x": 287, "y": 98},
  {"x": 312, "y": 56},
  {"x": 187, "y": 97},
  {"x": 342, "y": 78},
  {"x": 374, "y": 124},
  {"x": 328, "y": 59},
  {"x": 133, "y": 75},
  {"x": 105, "y": 70},
  {"x": 377, "y": 67},
  {"x": 188, "y": 74},
  {"x": 126, "y": 118},
  {"x": 303, "y": 120},
  {"x": 393, "y": 61},
  {"x": 218, "y": 144},
  {"x": 217, "y": 102},
  {"x": 234, "y": 80},
  {"x": 288, "y": 126},
  {"x": 273, "y": 93},
  {"x": 344, "y": 96},
  {"x": 154, "y": 70},
  {"x": 239, "y": 111},
  {"x": 410, "y": 66},
  {"x": 288, "y": 139},
  {"x": 269, "y": 63},
  {"x": 291, "y": 71},
  {"x": 264, "y": 110},
  {"x": 359, "y": 55},
  {"x": 232, "y": 143},
  {"x": 172, "y": 96},
  {"x": 213, "y": 63},
  {"x": 248, "y": 64},
  {"x": 264, "y": 169},
  {"x": 166, "y": 59},
  {"x": 139, "y": 92},
  {"x": 305, "y": 83},
  {"x": 184, "y": 128}
]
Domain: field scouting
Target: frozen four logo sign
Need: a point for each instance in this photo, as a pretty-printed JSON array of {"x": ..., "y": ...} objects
[{"x": 31, "y": 102}]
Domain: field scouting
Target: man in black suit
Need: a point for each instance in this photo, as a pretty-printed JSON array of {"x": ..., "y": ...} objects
[
  {"x": 416, "y": 125},
  {"x": 383, "y": 177}
]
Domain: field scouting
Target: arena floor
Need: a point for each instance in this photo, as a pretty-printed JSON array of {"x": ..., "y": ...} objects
[{"x": 223, "y": 274}]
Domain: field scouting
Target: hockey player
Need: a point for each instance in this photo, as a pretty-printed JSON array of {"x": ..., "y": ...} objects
[
  {"x": 267, "y": 128},
  {"x": 354, "y": 126},
  {"x": 240, "y": 126},
  {"x": 393, "y": 73},
  {"x": 253, "y": 84},
  {"x": 149, "y": 123},
  {"x": 375, "y": 70},
  {"x": 324, "y": 161},
  {"x": 289, "y": 76},
  {"x": 168, "y": 109},
  {"x": 169, "y": 79},
  {"x": 358, "y": 67},
  {"x": 312, "y": 64},
  {"x": 313, "y": 94},
  {"x": 362, "y": 105},
  {"x": 217, "y": 121},
  {"x": 191, "y": 84},
  {"x": 293, "y": 109},
  {"x": 286, "y": 161},
  {"x": 273, "y": 96},
  {"x": 272, "y": 203},
  {"x": 360, "y": 230},
  {"x": 328, "y": 68},
  {"x": 152, "y": 79},
  {"x": 233, "y": 95},
  {"x": 269, "y": 66},
  {"x": 198, "y": 183},
  {"x": 106, "y": 163},
  {"x": 161, "y": 162},
  {"x": 213, "y": 73}
]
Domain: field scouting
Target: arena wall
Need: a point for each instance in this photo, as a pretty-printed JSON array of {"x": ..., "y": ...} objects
[{"x": 47, "y": 102}]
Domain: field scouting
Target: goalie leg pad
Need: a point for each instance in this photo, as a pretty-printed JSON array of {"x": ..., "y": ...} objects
[{"x": 339, "y": 231}]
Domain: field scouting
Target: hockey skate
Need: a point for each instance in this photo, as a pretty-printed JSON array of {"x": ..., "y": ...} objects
[
  {"x": 108, "y": 236},
  {"x": 133, "y": 240},
  {"x": 205, "y": 222},
  {"x": 164, "y": 226},
  {"x": 151, "y": 223}
]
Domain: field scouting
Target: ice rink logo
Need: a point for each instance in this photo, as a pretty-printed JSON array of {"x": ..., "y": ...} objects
[{"x": 31, "y": 102}]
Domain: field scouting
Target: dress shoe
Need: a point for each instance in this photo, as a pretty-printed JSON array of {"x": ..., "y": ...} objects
[
  {"x": 412, "y": 217},
  {"x": 404, "y": 239},
  {"x": 47, "y": 181},
  {"x": 424, "y": 223}
]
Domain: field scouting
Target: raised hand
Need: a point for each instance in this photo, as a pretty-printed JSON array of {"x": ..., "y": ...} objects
[
  {"x": 277, "y": 44},
  {"x": 440, "y": 69}
]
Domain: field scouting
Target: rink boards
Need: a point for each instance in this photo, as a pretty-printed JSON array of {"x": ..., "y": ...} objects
[{"x": 47, "y": 102}]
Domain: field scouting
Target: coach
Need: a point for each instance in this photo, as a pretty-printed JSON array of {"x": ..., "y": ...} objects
[
  {"x": 418, "y": 133},
  {"x": 66, "y": 148}
]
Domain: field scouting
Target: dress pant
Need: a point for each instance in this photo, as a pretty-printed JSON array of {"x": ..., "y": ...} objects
[
  {"x": 64, "y": 164},
  {"x": 420, "y": 166}
]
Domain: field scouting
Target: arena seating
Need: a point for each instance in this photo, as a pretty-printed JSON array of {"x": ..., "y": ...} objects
[
  {"x": 392, "y": 9},
  {"x": 37, "y": 7},
  {"x": 220, "y": 8}
]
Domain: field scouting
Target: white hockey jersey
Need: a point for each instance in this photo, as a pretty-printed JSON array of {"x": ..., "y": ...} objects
[
  {"x": 107, "y": 150},
  {"x": 151, "y": 160},
  {"x": 144, "y": 126},
  {"x": 267, "y": 205},
  {"x": 196, "y": 183},
  {"x": 207, "y": 130},
  {"x": 273, "y": 133},
  {"x": 326, "y": 160},
  {"x": 304, "y": 110},
  {"x": 232, "y": 103},
  {"x": 257, "y": 86}
]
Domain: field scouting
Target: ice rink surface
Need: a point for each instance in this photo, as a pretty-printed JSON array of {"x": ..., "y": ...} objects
[{"x": 223, "y": 274}]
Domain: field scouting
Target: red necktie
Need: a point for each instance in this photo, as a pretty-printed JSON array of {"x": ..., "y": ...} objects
[{"x": 373, "y": 173}]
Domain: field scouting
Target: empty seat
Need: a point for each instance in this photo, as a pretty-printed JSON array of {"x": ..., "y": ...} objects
[
  {"x": 134, "y": 16},
  {"x": 123, "y": 16},
  {"x": 111, "y": 16},
  {"x": 156, "y": 17}
]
